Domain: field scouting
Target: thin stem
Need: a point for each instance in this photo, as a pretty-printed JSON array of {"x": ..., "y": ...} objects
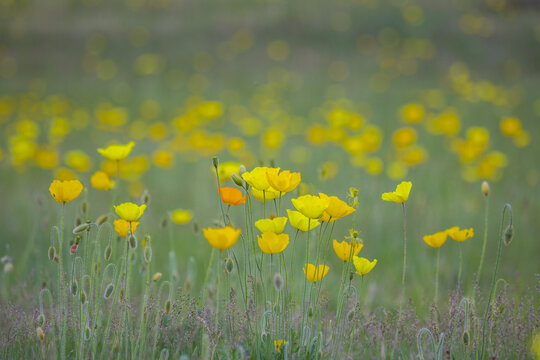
[
  {"x": 479, "y": 272},
  {"x": 460, "y": 265},
  {"x": 437, "y": 274}
]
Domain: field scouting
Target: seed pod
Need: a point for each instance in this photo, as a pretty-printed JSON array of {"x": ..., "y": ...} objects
[
  {"x": 74, "y": 287},
  {"x": 508, "y": 234},
  {"x": 278, "y": 282},
  {"x": 40, "y": 334},
  {"x": 51, "y": 253},
  {"x": 108, "y": 291},
  {"x": 83, "y": 297},
  {"x": 40, "y": 320},
  {"x": 229, "y": 265},
  {"x": 147, "y": 254},
  {"x": 466, "y": 338},
  {"x": 485, "y": 188},
  {"x": 132, "y": 242},
  {"x": 102, "y": 219},
  {"x": 156, "y": 277},
  {"x": 73, "y": 249},
  {"x": 167, "y": 306},
  {"x": 237, "y": 180},
  {"x": 81, "y": 228},
  {"x": 78, "y": 221},
  {"x": 108, "y": 253}
]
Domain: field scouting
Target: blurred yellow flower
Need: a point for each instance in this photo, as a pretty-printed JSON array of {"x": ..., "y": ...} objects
[
  {"x": 336, "y": 208},
  {"x": 275, "y": 225},
  {"x": 257, "y": 178},
  {"x": 272, "y": 243},
  {"x": 163, "y": 158},
  {"x": 265, "y": 195},
  {"x": 311, "y": 206},
  {"x": 315, "y": 273},
  {"x": 46, "y": 159},
  {"x": 460, "y": 235},
  {"x": 536, "y": 345},
  {"x": 412, "y": 113},
  {"x": 436, "y": 240},
  {"x": 404, "y": 137},
  {"x": 129, "y": 211},
  {"x": 363, "y": 266},
  {"x": 117, "y": 152},
  {"x": 301, "y": 222},
  {"x": 283, "y": 182},
  {"x": 510, "y": 126},
  {"x": 226, "y": 169},
  {"x": 401, "y": 194},
  {"x": 78, "y": 160},
  {"x": 222, "y": 238},
  {"x": 101, "y": 181},
  {"x": 122, "y": 227},
  {"x": 65, "y": 191},
  {"x": 181, "y": 216},
  {"x": 278, "y": 344},
  {"x": 346, "y": 251}
]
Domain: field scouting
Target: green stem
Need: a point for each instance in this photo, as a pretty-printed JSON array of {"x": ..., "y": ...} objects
[
  {"x": 61, "y": 299},
  {"x": 460, "y": 265},
  {"x": 437, "y": 274},
  {"x": 479, "y": 272}
]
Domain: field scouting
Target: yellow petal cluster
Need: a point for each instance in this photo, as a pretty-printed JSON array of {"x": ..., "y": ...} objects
[
  {"x": 283, "y": 182},
  {"x": 122, "y": 227},
  {"x": 129, "y": 211},
  {"x": 336, "y": 208},
  {"x": 436, "y": 240},
  {"x": 222, "y": 238},
  {"x": 363, "y": 265},
  {"x": 301, "y": 222},
  {"x": 460, "y": 235},
  {"x": 117, "y": 152},
  {"x": 311, "y": 206},
  {"x": 272, "y": 243},
  {"x": 257, "y": 178},
  {"x": 65, "y": 191},
  {"x": 401, "y": 194},
  {"x": 346, "y": 251},
  {"x": 181, "y": 216},
  {"x": 275, "y": 225},
  {"x": 101, "y": 181},
  {"x": 265, "y": 195},
  {"x": 315, "y": 273}
]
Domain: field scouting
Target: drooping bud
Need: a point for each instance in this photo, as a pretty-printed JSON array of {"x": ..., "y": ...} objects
[
  {"x": 508, "y": 234},
  {"x": 163, "y": 223},
  {"x": 156, "y": 277},
  {"x": 242, "y": 170},
  {"x": 81, "y": 228},
  {"x": 229, "y": 265},
  {"x": 278, "y": 282},
  {"x": 132, "y": 242},
  {"x": 237, "y": 180},
  {"x": 78, "y": 239},
  {"x": 146, "y": 240},
  {"x": 84, "y": 297},
  {"x": 215, "y": 162},
  {"x": 146, "y": 198},
  {"x": 485, "y": 188},
  {"x": 51, "y": 253},
  {"x": 102, "y": 219},
  {"x": 108, "y": 253},
  {"x": 87, "y": 333},
  {"x": 108, "y": 291},
  {"x": 167, "y": 306},
  {"x": 74, "y": 287},
  {"x": 466, "y": 338},
  {"x": 40, "y": 320},
  {"x": 40, "y": 334},
  {"x": 147, "y": 254},
  {"x": 78, "y": 221}
]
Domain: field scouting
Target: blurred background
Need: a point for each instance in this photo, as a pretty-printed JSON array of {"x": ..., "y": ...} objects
[{"x": 360, "y": 94}]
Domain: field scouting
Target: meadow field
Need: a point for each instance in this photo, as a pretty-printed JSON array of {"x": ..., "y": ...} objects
[{"x": 269, "y": 179}]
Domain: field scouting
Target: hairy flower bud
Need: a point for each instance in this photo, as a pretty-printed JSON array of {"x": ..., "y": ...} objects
[
  {"x": 237, "y": 180},
  {"x": 51, "y": 253},
  {"x": 132, "y": 242},
  {"x": 156, "y": 277},
  {"x": 108, "y": 253},
  {"x": 215, "y": 162},
  {"x": 74, "y": 287},
  {"x": 108, "y": 291},
  {"x": 508, "y": 234},
  {"x": 147, "y": 254},
  {"x": 278, "y": 282},
  {"x": 81, "y": 228},
  {"x": 485, "y": 188},
  {"x": 40, "y": 334},
  {"x": 102, "y": 219},
  {"x": 229, "y": 265}
]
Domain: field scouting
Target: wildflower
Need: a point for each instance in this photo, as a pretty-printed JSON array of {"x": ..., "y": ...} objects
[
  {"x": 343, "y": 249},
  {"x": 485, "y": 188},
  {"x": 129, "y": 211},
  {"x": 117, "y": 152},
  {"x": 78, "y": 160},
  {"x": 231, "y": 196},
  {"x": 510, "y": 126},
  {"x": 265, "y": 195},
  {"x": 122, "y": 227},
  {"x": 363, "y": 265},
  {"x": 412, "y": 113},
  {"x": 336, "y": 209},
  {"x": 156, "y": 277},
  {"x": 275, "y": 225},
  {"x": 283, "y": 182},
  {"x": 65, "y": 191},
  {"x": 311, "y": 206},
  {"x": 278, "y": 344},
  {"x": 181, "y": 216},
  {"x": 257, "y": 178},
  {"x": 460, "y": 235},
  {"x": 226, "y": 169},
  {"x": 222, "y": 238},
  {"x": 436, "y": 240},
  {"x": 301, "y": 222},
  {"x": 101, "y": 181},
  {"x": 401, "y": 194},
  {"x": 315, "y": 273},
  {"x": 404, "y": 137},
  {"x": 272, "y": 243}
]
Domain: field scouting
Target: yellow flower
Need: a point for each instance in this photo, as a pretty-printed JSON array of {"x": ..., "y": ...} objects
[
  {"x": 460, "y": 235},
  {"x": 257, "y": 178},
  {"x": 265, "y": 195},
  {"x": 404, "y": 137},
  {"x": 65, "y": 191},
  {"x": 436, "y": 240},
  {"x": 363, "y": 265},
  {"x": 412, "y": 113},
  {"x": 336, "y": 209},
  {"x": 272, "y": 243},
  {"x": 222, "y": 238},
  {"x": 122, "y": 227},
  {"x": 226, "y": 169},
  {"x": 129, "y": 211},
  {"x": 343, "y": 249},
  {"x": 315, "y": 273},
  {"x": 275, "y": 225},
  {"x": 510, "y": 126},
  {"x": 278, "y": 344},
  {"x": 117, "y": 152},
  {"x": 101, "y": 181},
  {"x": 401, "y": 194},
  {"x": 78, "y": 160},
  {"x": 283, "y": 182},
  {"x": 311, "y": 206},
  {"x": 181, "y": 216},
  {"x": 301, "y": 222}
]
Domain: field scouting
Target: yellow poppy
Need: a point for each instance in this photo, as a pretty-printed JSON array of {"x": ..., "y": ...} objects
[
  {"x": 265, "y": 195},
  {"x": 283, "y": 182},
  {"x": 315, "y": 273},
  {"x": 181, "y": 217},
  {"x": 65, "y": 191},
  {"x": 436, "y": 240},
  {"x": 101, "y": 181},
  {"x": 301, "y": 222},
  {"x": 404, "y": 137},
  {"x": 122, "y": 227},
  {"x": 278, "y": 344},
  {"x": 311, "y": 206},
  {"x": 222, "y": 238},
  {"x": 336, "y": 209},
  {"x": 401, "y": 194},
  {"x": 363, "y": 265},
  {"x": 510, "y": 126},
  {"x": 275, "y": 225},
  {"x": 129, "y": 211},
  {"x": 343, "y": 249},
  {"x": 117, "y": 152},
  {"x": 460, "y": 235},
  {"x": 412, "y": 113},
  {"x": 257, "y": 178},
  {"x": 272, "y": 243}
]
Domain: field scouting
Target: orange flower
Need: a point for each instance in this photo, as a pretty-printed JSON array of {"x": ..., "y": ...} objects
[{"x": 231, "y": 196}]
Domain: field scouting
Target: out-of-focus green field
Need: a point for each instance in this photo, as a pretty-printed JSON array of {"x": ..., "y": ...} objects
[{"x": 83, "y": 74}]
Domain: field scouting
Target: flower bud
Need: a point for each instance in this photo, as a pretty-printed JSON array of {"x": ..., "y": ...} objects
[
  {"x": 84, "y": 297},
  {"x": 237, "y": 180},
  {"x": 108, "y": 253},
  {"x": 8, "y": 267},
  {"x": 51, "y": 253},
  {"x": 147, "y": 254},
  {"x": 242, "y": 170},
  {"x": 78, "y": 239},
  {"x": 146, "y": 240},
  {"x": 87, "y": 333},
  {"x": 102, "y": 219},
  {"x": 163, "y": 223},
  {"x": 156, "y": 277},
  {"x": 167, "y": 306},
  {"x": 74, "y": 287},
  {"x": 278, "y": 282},
  {"x": 508, "y": 234},
  {"x": 466, "y": 338},
  {"x": 229, "y": 265},
  {"x": 81, "y": 228},
  {"x": 41, "y": 320},
  {"x": 84, "y": 207},
  {"x": 108, "y": 291},
  {"x": 78, "y": 221},
  {"x": 310, "y": 312},
  {"x": 485, "y": 188},
  {"x": 132, "y": 242},
  {"x": 215, "y": 162},
  {"x": 73, "y": 249},
  {"x": 40, "y": 334}
]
